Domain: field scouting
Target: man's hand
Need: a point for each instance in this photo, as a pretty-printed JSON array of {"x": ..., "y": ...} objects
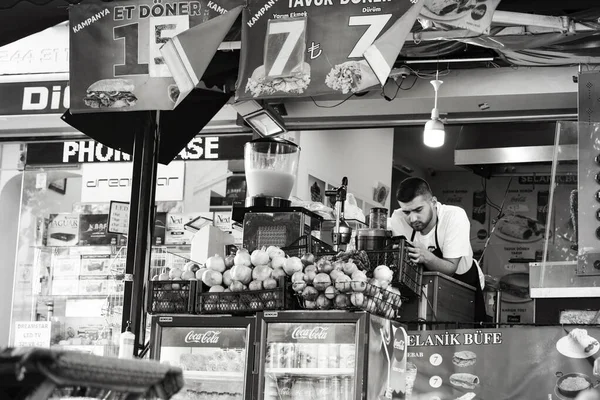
[{"x": 419, "y": 254}]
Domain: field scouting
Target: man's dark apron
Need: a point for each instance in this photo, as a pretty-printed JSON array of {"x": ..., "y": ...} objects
[{"x": 471, "y": 277}]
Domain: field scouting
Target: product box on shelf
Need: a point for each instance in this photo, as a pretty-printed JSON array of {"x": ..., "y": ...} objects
[
  {"x": 65, "y": 265},
  {"x": 160, "y": 228},
  {"x": 93, "y": 231},
  {"x": 95, "y": 264},
  {"x": 63, "y": 230},
  {"x": 65, "y": 286},
  {"x": 92, "y": 286}
]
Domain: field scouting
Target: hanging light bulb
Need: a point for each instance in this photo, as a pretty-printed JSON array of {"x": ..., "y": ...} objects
[{"x": 434, "y": 133}]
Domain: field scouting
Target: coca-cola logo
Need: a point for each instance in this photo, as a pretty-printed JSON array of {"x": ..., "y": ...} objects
[
  {"x": 316, "y": 333},
  {"x": 479, "y": 209},
  {"x": 208, "y": 337}
]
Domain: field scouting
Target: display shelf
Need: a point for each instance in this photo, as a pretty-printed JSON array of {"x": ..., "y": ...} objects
[
  {"x": 310, "y": 371},
  {"x": 213, "y": 375}
]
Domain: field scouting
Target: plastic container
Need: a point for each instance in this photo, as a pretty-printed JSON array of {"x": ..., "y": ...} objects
[
  {"x": 378, "y": 218},
  {"x": 372, "y": 239}
]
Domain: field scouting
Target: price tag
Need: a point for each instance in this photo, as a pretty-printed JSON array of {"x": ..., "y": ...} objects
[
  {"x": 285, "y": 47},
  {"x": 118, "y": 217}
]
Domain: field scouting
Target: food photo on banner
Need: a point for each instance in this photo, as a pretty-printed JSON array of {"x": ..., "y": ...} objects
[
  {"x": 534, "y": 363},
  {"x": 474, "y": 15},
  {"x": 126, "y": 70},
  {"x": 315, "y": 47}
]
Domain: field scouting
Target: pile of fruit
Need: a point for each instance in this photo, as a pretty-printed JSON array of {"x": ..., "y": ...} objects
[{"x": 344, "y": 282}]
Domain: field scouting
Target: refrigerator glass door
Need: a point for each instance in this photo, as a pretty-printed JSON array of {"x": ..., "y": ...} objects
[
  {"x": 307, "y": 360},
  {"x": 213, "y": 360}
]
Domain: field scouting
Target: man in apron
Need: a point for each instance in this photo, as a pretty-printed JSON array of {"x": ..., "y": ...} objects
[{"x": 440, "y": 236}]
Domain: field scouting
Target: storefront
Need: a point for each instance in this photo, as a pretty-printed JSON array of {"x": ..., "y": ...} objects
[{"x": 63, "y": 197}]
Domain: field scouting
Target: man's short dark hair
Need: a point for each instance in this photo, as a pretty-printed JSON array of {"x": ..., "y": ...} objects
[{"x": 411, "y": 188}]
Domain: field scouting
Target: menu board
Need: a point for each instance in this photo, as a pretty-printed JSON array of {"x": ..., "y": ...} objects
[
  {"x": 545, "y": 363},
  {"x": 126, "y": 71},
  {"x": 308, "y": 48}
]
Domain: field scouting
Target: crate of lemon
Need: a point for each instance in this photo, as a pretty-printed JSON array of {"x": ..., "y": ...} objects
[{"x": 334, "y": 282}]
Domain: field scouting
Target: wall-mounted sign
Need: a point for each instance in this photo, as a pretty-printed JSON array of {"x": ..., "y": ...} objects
[
  {"x": 301, "y": 48},
  {"x": 226, "y": 147},
  {"x": 42, "y": 53},
  {"x": 32, "y": 334},
  {"x": 103, "y": 183},
  {"x": 43, "y": 97},
  {"x": 126, "y": 71}
]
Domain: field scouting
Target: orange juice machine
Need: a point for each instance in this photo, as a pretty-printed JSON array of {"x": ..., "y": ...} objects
[{"x": 268, "y": 218}]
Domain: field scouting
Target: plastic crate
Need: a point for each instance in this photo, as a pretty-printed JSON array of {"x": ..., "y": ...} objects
[
  {"x": 308, "y": 244},
  {"x": 171, "y": 297},
  {"x": 375, "y": 300},
  {"x": 246, "y": 302},
  {"x": 408, "y": 276}
]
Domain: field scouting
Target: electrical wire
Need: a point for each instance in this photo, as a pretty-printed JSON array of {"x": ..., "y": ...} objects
[
  {"x": 333, "y": 106},
  {"x": 500, "y": 215},
  {"x": 411, "y": 86}
]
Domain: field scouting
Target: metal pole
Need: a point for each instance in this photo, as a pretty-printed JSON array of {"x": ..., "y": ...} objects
[{"x": 141, "y": 222}]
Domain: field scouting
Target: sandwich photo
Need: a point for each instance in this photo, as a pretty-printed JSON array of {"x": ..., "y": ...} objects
[
  {"x": 110, "y": 93},
  {"x": 466, "y": 381},
  {"x": 464, "y": 358}
]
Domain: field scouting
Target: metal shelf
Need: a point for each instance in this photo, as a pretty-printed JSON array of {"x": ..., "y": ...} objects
[{"x": 310, "y": 371}]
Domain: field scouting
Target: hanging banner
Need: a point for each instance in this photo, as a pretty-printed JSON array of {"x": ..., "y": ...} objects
[
  {"x": 535, "y": 363},
  {"x": 301, "y": 48},
  {"x": 115, "y": 59},
  {"x": 474, "y": 15}
]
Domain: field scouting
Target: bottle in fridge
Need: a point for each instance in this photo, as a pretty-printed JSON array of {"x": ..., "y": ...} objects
[
  {"x": 215, "y": 354},
  {"x": 330, "y": 355}
]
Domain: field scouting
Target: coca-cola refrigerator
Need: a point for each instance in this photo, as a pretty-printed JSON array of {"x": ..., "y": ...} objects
[
  {"x": 215, "y": 353},
  {"x": 331, "y": 355}
]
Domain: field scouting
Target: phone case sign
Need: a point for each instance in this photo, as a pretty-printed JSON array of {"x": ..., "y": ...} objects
[{"x": 300, "y": 48}]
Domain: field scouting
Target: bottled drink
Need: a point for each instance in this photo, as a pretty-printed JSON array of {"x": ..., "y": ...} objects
[
  {"x": 323, "y": 356},
  {"x": 479, "y": 203},
  {"x": 334, "y": 355},
  {"x": 284, "y": 387},
  {"x": 347, "y": 356},
  {"x": 346, "y": 389},
  {"x": 303, "y": 389},
  {"x": 322, "y": 389},
  {"x": 288, "y": 355}
]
